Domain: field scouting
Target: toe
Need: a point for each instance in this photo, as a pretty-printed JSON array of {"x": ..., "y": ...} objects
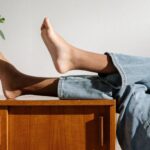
[{"x": 47, "y": 23}]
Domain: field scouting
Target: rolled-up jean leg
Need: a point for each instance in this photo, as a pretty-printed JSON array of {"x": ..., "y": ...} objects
[
  {"x": 83, "y": 87},
  {"x": 132, "y": 69}
]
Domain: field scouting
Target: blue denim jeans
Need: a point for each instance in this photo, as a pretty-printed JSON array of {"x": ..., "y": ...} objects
[{"x": 130, "y": 86}]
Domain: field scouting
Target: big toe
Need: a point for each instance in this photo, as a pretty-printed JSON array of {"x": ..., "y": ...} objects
[{"x": 47, "y": 23}]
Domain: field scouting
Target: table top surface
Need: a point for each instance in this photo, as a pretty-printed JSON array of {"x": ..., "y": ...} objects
[{"x": 31, "y": 100}]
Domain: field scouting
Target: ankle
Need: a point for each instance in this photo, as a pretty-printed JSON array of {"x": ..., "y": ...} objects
[
  {"x": 80, "y": 59},
  {"x": 76, "y": 57}
]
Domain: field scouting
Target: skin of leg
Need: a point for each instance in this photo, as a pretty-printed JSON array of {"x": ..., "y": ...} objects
[
  {"x": 26, "y": 84},
  {"x": 93, "y": 62},
  {"x": 41, "y": 86},
  {"x": 67, "y": 57}
]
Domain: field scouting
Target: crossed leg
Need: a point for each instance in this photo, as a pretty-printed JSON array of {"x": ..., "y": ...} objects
[{"x": 65, "y": 57}]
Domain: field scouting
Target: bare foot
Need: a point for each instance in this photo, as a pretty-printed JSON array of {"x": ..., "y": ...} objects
[
  {"x": 16, "y": 83},
  {"x": 61, "y": 52},
  {"x": 9, "y": 76}
]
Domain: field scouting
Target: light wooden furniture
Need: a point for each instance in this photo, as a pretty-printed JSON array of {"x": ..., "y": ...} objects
[{"x": 57, "y": 124}]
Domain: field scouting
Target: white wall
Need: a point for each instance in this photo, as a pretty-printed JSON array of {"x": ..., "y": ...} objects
[{"x": 97, "y": 25}]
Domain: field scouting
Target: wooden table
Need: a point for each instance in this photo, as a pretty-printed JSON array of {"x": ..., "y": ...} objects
[{"x": 57, "y": 124}]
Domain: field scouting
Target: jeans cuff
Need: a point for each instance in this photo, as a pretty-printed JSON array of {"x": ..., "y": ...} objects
[
  {"x": 60, "y": 87},
  {"x": 118, "y": 66}
]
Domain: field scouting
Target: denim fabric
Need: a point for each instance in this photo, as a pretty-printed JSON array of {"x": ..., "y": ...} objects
[
  {"x": 83, "y": 87},
  {"x": 130, "y": 87},
  {"x": 133, "y": 127}
]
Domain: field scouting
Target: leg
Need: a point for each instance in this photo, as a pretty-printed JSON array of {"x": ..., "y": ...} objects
[
  {"x": 133, "y": 128},
  {"x": 15, "y": 83},
  {"x": 67, "y": 57}
]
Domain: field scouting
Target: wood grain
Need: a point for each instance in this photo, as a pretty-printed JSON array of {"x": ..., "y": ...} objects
[
  {"x": 58, "y": 125},
  {"x": 3, "y": 128}
]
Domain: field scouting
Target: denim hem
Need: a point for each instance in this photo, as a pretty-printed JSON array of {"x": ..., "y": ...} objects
[
  {"x": 59, "y": 88},
  {"x": 118, "y": 66}
]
